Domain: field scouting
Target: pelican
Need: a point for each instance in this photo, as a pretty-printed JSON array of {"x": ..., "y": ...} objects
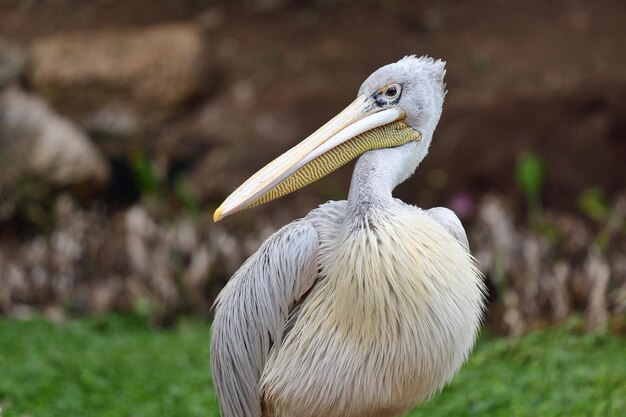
[{"x": 367, "y": 306}]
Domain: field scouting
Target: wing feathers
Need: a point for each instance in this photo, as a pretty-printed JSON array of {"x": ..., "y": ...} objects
[
  {"x": 451, "y": 222},
  {"x": 251, "y": 312}
]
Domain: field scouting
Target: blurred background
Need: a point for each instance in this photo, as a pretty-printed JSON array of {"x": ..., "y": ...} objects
[{"x": 123, "y": 125}]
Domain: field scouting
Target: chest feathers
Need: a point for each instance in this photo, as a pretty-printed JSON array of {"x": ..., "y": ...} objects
[{"x": 385, "y": 327}]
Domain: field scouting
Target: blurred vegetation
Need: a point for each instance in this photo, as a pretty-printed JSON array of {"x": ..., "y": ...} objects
[
  {"x": 34, "y": 205},
  {"x": 592, "y": 202},
  {"x": 529, "y": 176},
  {"x": 119, "y": 366},
  {"x": 168, "y": 195}
]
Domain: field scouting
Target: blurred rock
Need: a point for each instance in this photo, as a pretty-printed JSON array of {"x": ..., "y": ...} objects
[
  {"x": 11, "y": 62},
  {"x": 37, "y": 142},
  {"x": 118, "y": 82},
  {"x": 212, "y": 143},
  {"x": 114, "y": 121}
]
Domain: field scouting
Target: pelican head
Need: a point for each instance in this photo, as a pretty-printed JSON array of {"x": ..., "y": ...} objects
[{"x": 390, "y": 123}]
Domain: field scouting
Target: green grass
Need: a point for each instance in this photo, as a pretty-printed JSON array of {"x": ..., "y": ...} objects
[
  {"x": 104, "y": 368},
  {"x": 119, "y": 367}
]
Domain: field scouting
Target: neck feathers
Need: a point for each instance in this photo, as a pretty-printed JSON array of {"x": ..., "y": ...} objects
[{"x": 377, "y": 173}]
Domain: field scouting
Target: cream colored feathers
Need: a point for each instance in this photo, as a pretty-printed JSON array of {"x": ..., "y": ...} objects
[{"x": 391, "y": 320}]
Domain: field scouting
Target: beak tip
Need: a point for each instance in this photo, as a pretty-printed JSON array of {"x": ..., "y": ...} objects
[{"x": 218, "y": 215}]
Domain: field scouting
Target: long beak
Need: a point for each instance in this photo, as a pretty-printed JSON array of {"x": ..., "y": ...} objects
[{"x": 346, "y": 136}]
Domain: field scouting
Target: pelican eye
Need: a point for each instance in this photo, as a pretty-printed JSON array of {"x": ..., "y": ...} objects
[
  {"x": 389, "y": 94},
  {"x": 391, "y": 91}
]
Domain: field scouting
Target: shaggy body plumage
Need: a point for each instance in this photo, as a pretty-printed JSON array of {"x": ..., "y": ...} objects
[
  {"x": 369, "y": 340},
  {"x": 363, "y": 308}
]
